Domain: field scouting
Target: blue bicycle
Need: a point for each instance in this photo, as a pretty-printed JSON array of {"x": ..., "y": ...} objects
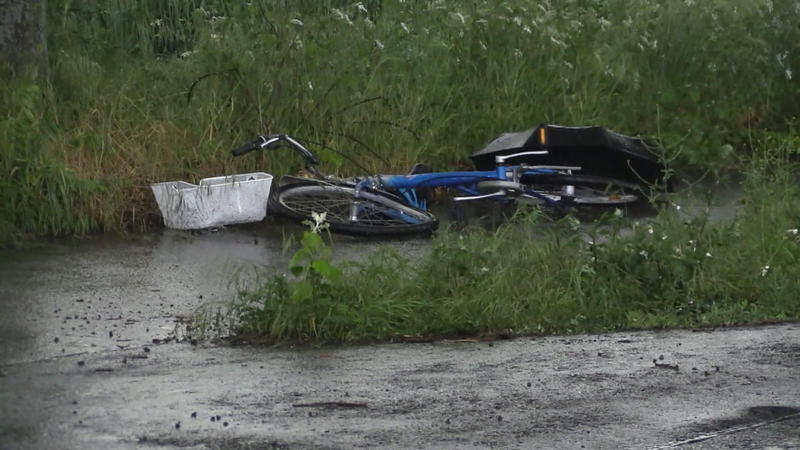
[{"x": 398, "y": 204}]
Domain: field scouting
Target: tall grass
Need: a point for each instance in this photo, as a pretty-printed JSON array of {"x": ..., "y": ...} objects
[
  {"x": 677, "y": 269},
  {"x": 144, "y": 91}
]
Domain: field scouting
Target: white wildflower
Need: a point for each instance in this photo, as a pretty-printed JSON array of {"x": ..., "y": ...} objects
[
  {"x": 764, "y": 271},
  {"x": 650, "y": 229},
  {"x": 484, "y": 269},
  {"x": 643, "y": 254},
  {"x": 517, "y": 53},
  {"x": 793, "y": 231},
  {"x": 311, "y": 88},
  {"x": 360, "y": 6},
  {"x": 708, "y": 254},
  {"x": 788, "y": 73},
  {"x": 319, "y": 221},
  {"x": 652, "y": 45},
  {"x": 379, "y": 44},
  {"x": 404, "y": 27},
  {"x": 297, "y": 22},
  {"x": 558, "y": 42},
  {"x": 618, "y": 213},
  {"x": 341, "y": 15},
  {"x": 664, "y": 237}
]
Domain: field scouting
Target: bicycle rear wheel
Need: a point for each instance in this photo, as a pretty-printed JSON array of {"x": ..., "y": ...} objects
[
  {"x": 375, "y": 214},
  {"x": 585, "y": 189}
]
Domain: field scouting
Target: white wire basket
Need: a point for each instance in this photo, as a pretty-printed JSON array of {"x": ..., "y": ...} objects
[{"x": 214, "y": 201}]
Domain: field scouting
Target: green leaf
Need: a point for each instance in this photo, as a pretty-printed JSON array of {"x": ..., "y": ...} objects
[
  {"x": 327, "y": 270},
  {"x": 303, "y": 291},
  {"x": 312, "y": 241}
]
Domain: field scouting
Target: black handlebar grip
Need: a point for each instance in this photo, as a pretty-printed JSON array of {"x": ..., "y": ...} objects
[{"x": 246, "y": 148}]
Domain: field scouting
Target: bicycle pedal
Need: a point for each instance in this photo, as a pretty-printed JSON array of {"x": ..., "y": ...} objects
[{"x": 458, "y": 215}]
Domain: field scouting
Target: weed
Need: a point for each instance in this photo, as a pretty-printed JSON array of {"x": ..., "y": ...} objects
[
  {"x": 149, "y": 91},
  {"x": 679, "y": 268}
]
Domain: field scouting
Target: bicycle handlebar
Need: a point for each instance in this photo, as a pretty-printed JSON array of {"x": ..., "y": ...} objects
[
  {"x": 249, "y": 147},
  {"x": 311, "y": 161}
]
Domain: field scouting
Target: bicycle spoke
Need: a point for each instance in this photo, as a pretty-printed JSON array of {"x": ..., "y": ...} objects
[{"x": 337, "y": 204}]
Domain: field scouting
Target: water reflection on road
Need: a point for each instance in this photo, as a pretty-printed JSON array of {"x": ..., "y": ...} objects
[{"x": 108, "y": 293}]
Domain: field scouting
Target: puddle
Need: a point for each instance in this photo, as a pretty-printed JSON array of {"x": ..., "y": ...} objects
[{"x": 105, "y": 293}]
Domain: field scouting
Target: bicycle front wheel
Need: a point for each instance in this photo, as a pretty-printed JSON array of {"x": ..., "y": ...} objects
[
  {"x": 374, "y": 214},
  {"x": 585, "y": 189}
]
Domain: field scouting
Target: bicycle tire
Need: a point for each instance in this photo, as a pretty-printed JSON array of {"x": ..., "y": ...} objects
[
  {"x": 589, "y": 189},
  {"x": 378, "y": 216}
]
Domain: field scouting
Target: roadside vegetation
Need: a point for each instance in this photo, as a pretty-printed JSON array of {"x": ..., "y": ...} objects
[
  {"x": 677, "y": 269},
  {"x": 156, "y": 90}
]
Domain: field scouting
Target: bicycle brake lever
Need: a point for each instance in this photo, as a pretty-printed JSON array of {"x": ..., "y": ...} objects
[
  {"x": 501, "y": 159},
  {"x": 267, "y": 141}
]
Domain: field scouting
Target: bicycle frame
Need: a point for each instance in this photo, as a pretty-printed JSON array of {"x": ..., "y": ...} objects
[
  {"x": 464, "y": 181},
  {"x": 370, "y": 188}
]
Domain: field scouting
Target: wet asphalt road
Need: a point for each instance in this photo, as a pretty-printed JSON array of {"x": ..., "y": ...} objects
[
  {"x": 87, "y": 362},
  {"x": 556, "y": 392}
]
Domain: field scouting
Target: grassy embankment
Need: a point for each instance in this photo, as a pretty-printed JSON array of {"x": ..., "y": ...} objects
[
  {"x": 679, "y": 269},
  {"x": 154, "y": 90}
]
